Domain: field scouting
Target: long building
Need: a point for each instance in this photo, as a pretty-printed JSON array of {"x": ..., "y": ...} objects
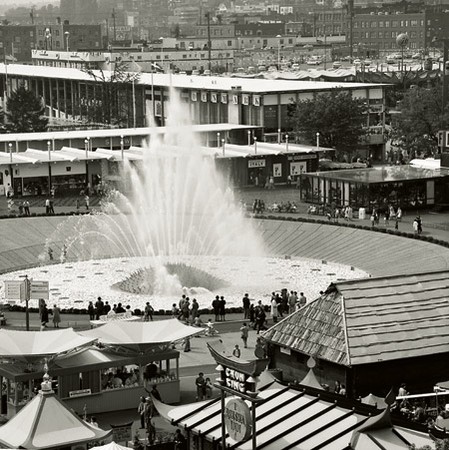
[{"x": 67, "y": 94}]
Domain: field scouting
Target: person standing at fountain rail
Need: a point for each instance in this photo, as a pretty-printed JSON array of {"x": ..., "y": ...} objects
[
  {"x": 216, "y": 308},
  {"x": 91, "y": 311},
  {"x": 99, "y": 308},
  {"x": 87, "y": 202},
  {"x": 246, "y": 302},
  {"x": 148, "y": 314},
  {"x": 195, "y": 308},
  {"x": 56, "y": 316},
  {"x": 222, "y": 308}
]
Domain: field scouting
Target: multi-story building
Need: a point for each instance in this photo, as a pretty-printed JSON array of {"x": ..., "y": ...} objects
[
  {"x": 379, "y": 31},
  {"x": 20, "y": 40}
]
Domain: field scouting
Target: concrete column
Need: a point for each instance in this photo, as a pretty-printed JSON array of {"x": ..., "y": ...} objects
[
  {"x": 58, "y": 105},
  {"x": 65, "y": 99},
  {"x": 50, "y": 90}
]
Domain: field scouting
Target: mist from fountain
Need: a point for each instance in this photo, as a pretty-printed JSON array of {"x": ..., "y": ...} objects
[{"x": 175, "y": 205}]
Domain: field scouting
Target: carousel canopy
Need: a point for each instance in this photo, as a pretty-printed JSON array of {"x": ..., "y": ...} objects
[
  {"x": 29, "y": 345},
  {"x": 46, "y": 422},
  {"x": 139, "y": 335},
  {"x": 111, "y": 446}
]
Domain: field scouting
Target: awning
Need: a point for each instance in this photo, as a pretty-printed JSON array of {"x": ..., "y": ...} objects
[
  {"x": 31, "y": 345},
  {"x": 142, "y": 335}
]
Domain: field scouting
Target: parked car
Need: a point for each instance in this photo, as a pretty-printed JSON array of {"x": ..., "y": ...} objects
[
  {"x": 336, "y": 65},
  {"x": 313, "y": 62}
]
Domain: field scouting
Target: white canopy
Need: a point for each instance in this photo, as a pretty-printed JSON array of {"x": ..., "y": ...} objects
[
  {"x": 140, "y": 335},
  {"x": 46, "y": 422},
  {"x": 28, "y": 345},
  {"x": 111, "y": 446}
]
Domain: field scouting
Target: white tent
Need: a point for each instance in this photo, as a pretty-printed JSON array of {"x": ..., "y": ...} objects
[
  {"x": 46, "y": 422},
  {"x": 111, "y": 446},
  {"x": 141, "y": 335},
  {"x": 29, "y": 345}
]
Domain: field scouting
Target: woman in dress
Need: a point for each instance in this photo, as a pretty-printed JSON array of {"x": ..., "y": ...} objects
[{"x": 56, "y": 316}]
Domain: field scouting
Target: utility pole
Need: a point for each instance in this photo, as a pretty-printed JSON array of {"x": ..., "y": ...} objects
[
  {"x": 351, "y": 16},
  {"x": 114, "y": 24},
  {"x": 444, "y": 74},
  {"x": 209, "y": 43},
  {"x": 32, "y": 15}
]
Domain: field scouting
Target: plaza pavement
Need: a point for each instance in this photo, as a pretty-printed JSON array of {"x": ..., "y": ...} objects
[{"x": 199, "y": 359}]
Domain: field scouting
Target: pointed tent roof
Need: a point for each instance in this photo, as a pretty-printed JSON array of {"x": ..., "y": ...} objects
[
  {"x": 32, "y": 345},
  {"x": 371, "y": 320},
  {"x": 142, "y": 335},
  {"x": 111, "y": 446},
  {"x": 45, "y": 423},
  {"x": 311, "y": 380},
  {"x": 373, "y": 400}
]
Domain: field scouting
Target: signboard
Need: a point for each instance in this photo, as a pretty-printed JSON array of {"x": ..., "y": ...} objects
[
  {"x": 254, "y": 163},
  {"x": 38, "y": 290},
  {"x": 237, "y": 381},
  {"x": 80, "y": 393},
  {"x": 302, "y": 157},
  {"x": 204, "y": 97},
  {"x": 224, "y": 98},
  {"x": 296, "y": 168},
  {"x": 238, "y": 419},
  {"x": 277, "y": 170},
  {"x": 245, "y": 99},
  {"x": 15, "y": 290},
  {"x": 121, "y": 433},
  {"x": 194, "y": 96},
  {"x": 213, "y": 97},
  {"x": 256, "y": 100}
]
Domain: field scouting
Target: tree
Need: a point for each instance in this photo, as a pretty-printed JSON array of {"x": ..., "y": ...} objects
[
  {"x": 338, "y": 117},
  {"x": 110, "y": 97},
  {"x": 25, "y": 112},
  {"x": 416, "y": 128}
]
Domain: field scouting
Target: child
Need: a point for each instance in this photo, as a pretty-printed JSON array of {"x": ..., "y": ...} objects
[
  {"x": 236, "y": 352},
  {"x": 244, "y": 330}
]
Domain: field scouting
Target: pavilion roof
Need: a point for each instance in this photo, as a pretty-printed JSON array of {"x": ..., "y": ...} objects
[{"x": 371, "y": 320}]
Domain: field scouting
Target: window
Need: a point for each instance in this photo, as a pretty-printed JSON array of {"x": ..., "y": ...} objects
[
  {"x": 229, "y": 43},
  {"x": 355, "y": 34},
  {"x": 17, "y": 39},
  {"x": 413, "y": 34},
  {"x": 31, "y": 34},
  {"x": 394, "y": 23},
  {"x": 406, "y": 23},
  {"x": 373, "y": 24},
  {"x": 413, "y": 23},
  {"x": 41, "y": 32},
  {"x": 373, "y": 34},
  {"x": 387, "y": 23},
  {"x": 381, "y": 34},
  {"x": 58, "y": 44},
  {"x": 367, "y": 34},
  {"x": 57, "y": 32},
  {"x": 381, "y": 24},
  {"x": 356, "y": 24}
]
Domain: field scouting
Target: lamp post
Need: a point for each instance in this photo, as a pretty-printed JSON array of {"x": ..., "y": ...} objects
[
  {"x": 10, "y": 153},
  {"x": 286, "y": 142},
  {"x": 223, "y": 146},
  {"x": 49, "y": 165},
  {"x": 249, "y": 136},
  {"x": 86, "y": 149},
  {"x": 162, "y": 51},
  {"x": 48, "y": 39},
  {"x": 317, "y": 141},
  {"x": 255, "y": 145},
  {"x": 218, "y": 140},
  {"x": 279, "y": 136},
  {"x": 279, "y": 37},
  {"x": 134, "y": 94},
  {"x": 122, "y": 149},
  {"x": 67, "y": 35}
]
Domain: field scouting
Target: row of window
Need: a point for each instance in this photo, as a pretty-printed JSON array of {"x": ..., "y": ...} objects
[
  {"x": 388, "y": 23},
  {"x": 385, "y": 34}
]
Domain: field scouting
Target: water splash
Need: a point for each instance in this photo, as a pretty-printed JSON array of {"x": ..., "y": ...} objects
[{"x": 176, "y": 205}]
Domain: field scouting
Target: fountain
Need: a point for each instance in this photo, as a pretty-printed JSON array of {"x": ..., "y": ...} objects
[{"x": 175, "y": 227}]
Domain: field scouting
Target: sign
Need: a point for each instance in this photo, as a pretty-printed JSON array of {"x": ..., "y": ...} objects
[
  {"x": 238, "y": 419},
  {"x": 224, "y": 98},
  {"x": 296, "y": 168},
  {"x": 204, "y": 97},
  {"x": 254, "y": 163},
  {"x": 277, "y": 170},
  {"x": 213, "y": 97},
  {"x": 256, "y": 100},
  {"x": 245, "y": 100},
  {"x": 237, "y": 381},
  {"x": 302, "y": 157},
  {"x": 15, "y": 290},
  {"x": 194, "y": 96},
  {"x": 121, "y": 433},
  {"x": 235, "y": 99},
  {"x": 38, "y": 290},
  {"x": 80, "y": 393}
]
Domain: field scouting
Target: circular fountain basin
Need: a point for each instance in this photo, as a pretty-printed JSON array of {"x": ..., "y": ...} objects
[{"x": 74, "y": 284}]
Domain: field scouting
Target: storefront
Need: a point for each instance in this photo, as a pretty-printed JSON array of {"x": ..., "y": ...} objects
[{"x": 404, "y": 186}]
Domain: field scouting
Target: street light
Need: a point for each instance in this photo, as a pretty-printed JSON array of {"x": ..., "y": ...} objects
[
  {"x": 255, "y": 145},
  {"x": 218, "y": 140},
  {"x": 317, "y": 141},
  {"x": 279, "y": 136},
  {"x": 67, "y": 35},
  {"x": 10, "y": 153},
  {"x": 86, "y": 149},
  {"x": 122, "y": 148},
  {"x": 162, "y": 51},
  {"x": 249, "y": 137},
  {"x": 47, "y": 38},
  {"x": 279, "y": 37},
  {"x": 49, "y": 166},
  {"x": 286, "y": 142},
  {"x": 223, "y": 146}
]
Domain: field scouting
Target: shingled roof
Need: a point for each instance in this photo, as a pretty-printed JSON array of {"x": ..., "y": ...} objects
[{"x": 372, "y": 320}]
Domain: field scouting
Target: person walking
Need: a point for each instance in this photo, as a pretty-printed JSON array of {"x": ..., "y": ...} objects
[
  {"x": 99, "y": 308},
  {"x": 148, "y": 313},
  {"x": 141, "y": 412},
  {"x": 56, "y": 316},
  {"x": 244, "y": 332},
  {"x": 194, "y": 310},
  {"x": 246, "y": 303},
  {"x": 26, "y": 207},
  {"x": 44, "y": 315},
  {"x": 47, "y": 206}
]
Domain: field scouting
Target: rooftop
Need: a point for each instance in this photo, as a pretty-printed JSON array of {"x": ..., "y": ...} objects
[
  {"x": 371, "y": 320},
  {"x": 382, "y": 174},
  {"x": 213, "y": 83}
]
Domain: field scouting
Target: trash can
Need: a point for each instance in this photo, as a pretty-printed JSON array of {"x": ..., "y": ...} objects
[{"x": 362, "y": 213}]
